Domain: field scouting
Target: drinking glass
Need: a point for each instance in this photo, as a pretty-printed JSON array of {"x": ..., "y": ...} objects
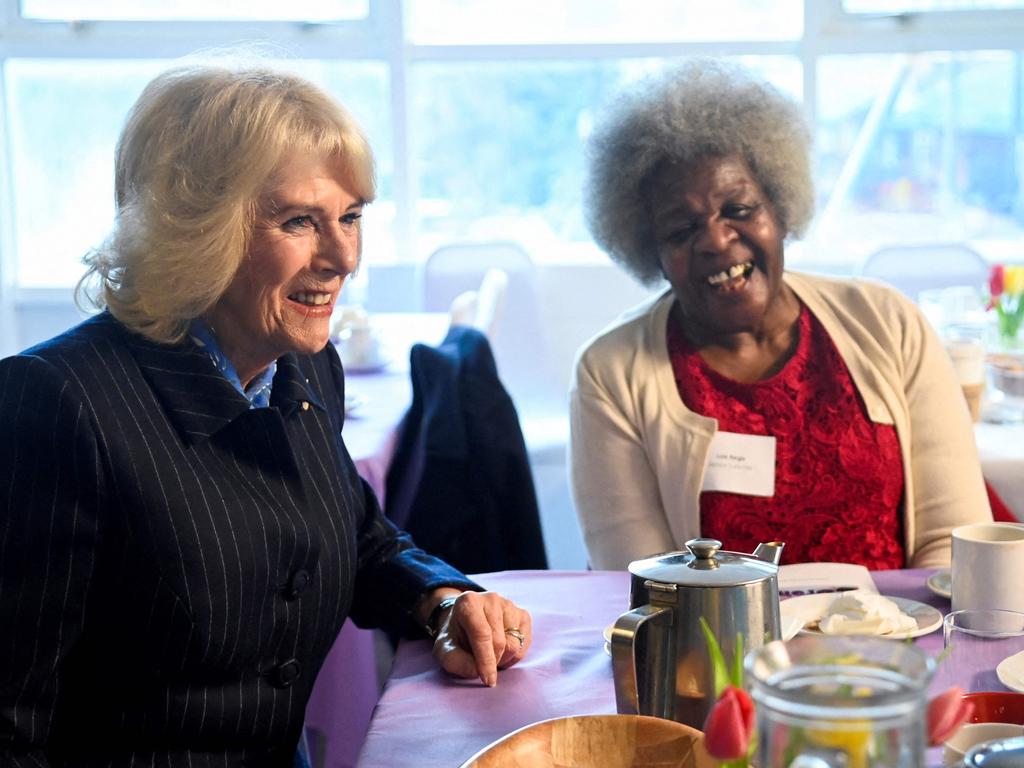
[
  {"x": 955, "y": 311},
  {"x": 840, "y": 701},
  {"x": 976, "y": 640}
]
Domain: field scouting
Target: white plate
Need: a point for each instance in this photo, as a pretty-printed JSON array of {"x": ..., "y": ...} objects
[
  {"x": 366, "y": 366},
  {"x": 941, "y": 583},
  {"x": 1011, "y": 672},
  {"x": 808, "y": 609}
]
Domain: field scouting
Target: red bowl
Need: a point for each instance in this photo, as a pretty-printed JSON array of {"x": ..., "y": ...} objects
[{"x": 997, "y": 707}]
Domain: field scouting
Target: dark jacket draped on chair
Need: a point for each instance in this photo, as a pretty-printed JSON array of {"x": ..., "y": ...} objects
[{"x": 460, "y": 479}]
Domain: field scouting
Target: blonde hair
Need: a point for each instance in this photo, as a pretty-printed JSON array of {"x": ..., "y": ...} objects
[
  {"x": 198, "y": 148},
  {"x": 706, "y": 108}
]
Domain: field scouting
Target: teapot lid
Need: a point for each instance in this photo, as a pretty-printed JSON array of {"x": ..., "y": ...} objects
[{"x": 704, "y": 565}]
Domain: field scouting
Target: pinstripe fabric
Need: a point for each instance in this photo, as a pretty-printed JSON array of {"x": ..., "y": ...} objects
[{"x": 173, "y": 565}]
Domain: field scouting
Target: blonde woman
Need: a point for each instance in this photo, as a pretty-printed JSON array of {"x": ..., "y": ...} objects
[{"x": 182, "y": 531}]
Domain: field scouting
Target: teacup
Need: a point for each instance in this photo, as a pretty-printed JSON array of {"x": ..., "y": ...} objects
[{"x": 359, "y": 346}]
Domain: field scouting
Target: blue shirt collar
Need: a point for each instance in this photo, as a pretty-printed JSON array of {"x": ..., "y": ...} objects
[{"x": 258, "y": 391}]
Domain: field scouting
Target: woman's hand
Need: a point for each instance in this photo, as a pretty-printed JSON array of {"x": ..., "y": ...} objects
[{"x": 480, "y": 634}]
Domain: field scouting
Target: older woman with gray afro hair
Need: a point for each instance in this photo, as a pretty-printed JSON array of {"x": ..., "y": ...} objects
[{"x": 745, "y": 402}]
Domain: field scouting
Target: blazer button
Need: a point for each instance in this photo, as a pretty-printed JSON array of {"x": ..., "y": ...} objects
[
  {"x": 297, "y": 584},
  {"x": 286, "y": 673}
]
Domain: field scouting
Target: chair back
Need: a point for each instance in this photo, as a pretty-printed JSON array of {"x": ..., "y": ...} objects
[
  {"x": 458, "y": 267},
  {"x": 915, "y": 268},
  {"x": 507, "y": 310}
]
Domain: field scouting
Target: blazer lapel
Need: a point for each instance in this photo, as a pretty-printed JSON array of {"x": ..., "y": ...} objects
[
  {"x": 291, "y": 386},
  {"x": 197, "y": 398}
]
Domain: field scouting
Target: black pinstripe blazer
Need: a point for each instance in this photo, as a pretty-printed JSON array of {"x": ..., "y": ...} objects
[{"x": 174, "y": 565}]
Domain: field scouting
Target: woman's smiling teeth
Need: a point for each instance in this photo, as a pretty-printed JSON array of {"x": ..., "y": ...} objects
[
  {"x": 720, "y": 279},
  {"x": 311, "y": 299}
]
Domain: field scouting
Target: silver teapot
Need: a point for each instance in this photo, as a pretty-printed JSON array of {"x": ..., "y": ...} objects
[{"x": 660, "y": 657}]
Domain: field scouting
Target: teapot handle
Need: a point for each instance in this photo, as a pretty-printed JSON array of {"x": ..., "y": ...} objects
[{"x": 637, "y": 690}]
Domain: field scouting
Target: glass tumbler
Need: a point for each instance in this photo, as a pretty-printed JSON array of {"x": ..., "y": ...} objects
[
  {"x": 976, "y": 641},
  {"x": 840, "y": 702}
]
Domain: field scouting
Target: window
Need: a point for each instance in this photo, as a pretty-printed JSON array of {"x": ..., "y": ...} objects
[
  {"x": 499, "y": 153},
  {"x": 64, "y": 177},
  {"x": 478, "y": 111},
  {"x": 919, "y": 147}
]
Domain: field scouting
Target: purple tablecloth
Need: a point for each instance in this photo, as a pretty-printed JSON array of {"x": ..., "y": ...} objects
[{"x": 426, "y": 718}]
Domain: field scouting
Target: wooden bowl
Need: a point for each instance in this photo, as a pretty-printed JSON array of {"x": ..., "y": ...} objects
[{"x": 597, "y": 741}]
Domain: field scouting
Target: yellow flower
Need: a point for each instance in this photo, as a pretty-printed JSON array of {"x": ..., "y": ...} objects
[
  {"x": 1013, "y": 282},
  {"x": 854, "y": 739}
]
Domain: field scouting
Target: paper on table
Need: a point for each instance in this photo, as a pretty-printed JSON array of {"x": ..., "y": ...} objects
[{"x": 811, "y": 578}]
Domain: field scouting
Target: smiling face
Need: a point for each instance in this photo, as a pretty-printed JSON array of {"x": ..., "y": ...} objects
[
  {"x": 720, "y": 246},
  {"x": 305, "y": 243}
]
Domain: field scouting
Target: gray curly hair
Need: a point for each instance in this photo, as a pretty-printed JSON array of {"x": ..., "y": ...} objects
[{"x": 705, "y": 108}]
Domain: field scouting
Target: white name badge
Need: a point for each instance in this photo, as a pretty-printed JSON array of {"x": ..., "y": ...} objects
[{"x": 743, "y": 464}]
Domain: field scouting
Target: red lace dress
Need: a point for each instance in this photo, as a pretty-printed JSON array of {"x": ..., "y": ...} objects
[{"x": 839, "y": 477}]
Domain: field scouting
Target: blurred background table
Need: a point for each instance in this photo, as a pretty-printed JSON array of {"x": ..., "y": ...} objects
[
  {"x": 428, "y": 718},
  {"x": 1001, "y": 449}
]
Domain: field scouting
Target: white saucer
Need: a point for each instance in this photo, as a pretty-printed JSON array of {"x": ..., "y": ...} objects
[
  {"x": 941, "y": 583},
  {"x": 1010, "y": 672},
  {"x": 808, "y": 609}
]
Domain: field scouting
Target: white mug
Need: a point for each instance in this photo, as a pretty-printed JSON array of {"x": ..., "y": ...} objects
[{"x": 988, "y": 566}]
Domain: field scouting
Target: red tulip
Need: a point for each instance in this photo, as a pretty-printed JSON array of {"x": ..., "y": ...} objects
[
  {"x": 996, "y": 280},
  {"x": 947, "y": 712},
  {"x": 730, "y": 725}
]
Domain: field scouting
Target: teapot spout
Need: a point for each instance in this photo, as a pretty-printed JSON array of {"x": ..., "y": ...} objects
[{"x": 770, "y": 551}]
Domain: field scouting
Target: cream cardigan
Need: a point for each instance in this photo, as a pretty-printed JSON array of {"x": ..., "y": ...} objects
[{"x": 638, "y": 454}]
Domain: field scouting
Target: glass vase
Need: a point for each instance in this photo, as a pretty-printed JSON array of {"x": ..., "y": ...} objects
[{"x": 840, "y": 702}]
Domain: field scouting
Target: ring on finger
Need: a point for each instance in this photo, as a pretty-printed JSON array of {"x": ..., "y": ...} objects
[{"x": 514, "y": 632}]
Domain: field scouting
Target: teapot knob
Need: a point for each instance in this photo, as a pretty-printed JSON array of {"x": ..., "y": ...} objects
[{"x": 704, "y": 549}]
